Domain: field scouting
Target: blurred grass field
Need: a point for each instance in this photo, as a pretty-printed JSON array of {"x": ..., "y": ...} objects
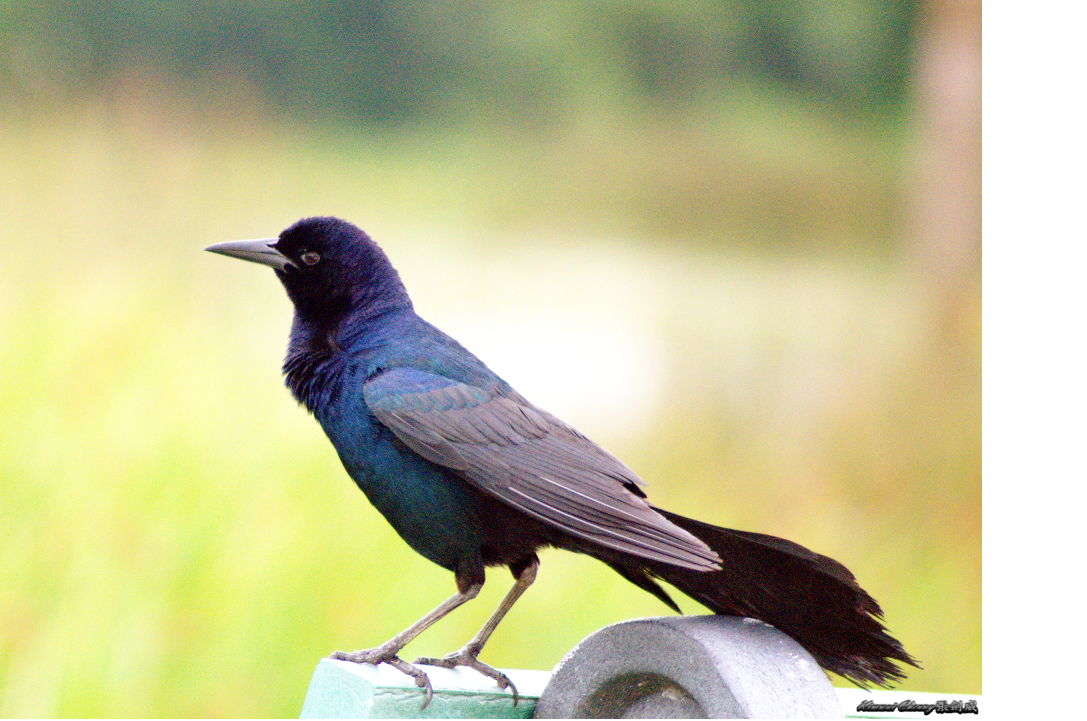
[{"x": 180, "y": 539}]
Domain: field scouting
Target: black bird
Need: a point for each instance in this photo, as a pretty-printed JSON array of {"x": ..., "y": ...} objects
[{"x": 472, "y": 475}]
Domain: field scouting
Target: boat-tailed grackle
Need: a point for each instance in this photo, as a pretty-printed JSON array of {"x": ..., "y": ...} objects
[{"x": 471, "y": 475}]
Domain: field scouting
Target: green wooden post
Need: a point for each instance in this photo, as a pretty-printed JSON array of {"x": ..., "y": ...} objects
[{"x": 340, "y": 689}]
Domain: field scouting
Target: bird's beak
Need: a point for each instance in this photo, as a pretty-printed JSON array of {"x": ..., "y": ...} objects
[{"x": 260, "y": 251}]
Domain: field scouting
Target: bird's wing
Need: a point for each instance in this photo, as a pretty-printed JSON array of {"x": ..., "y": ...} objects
[{"x": 531, "y": 460}]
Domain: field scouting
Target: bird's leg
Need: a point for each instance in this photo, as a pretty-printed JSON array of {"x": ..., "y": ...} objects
[
  {"x": 468, "y": 655},
  {"x": 387, "y": 652}
]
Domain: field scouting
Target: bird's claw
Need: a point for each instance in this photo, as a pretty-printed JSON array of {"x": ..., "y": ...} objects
[
  {"x": 466, "y": 657},
  {"x": 379, "y": 655}
]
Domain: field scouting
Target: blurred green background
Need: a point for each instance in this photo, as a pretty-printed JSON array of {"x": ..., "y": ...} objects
[{"x": 737, "y": 243}]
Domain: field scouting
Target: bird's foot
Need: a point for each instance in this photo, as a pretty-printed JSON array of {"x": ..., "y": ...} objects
[
  {"x": 467, "y": 656},
  {"x": 380, "y": 655}
]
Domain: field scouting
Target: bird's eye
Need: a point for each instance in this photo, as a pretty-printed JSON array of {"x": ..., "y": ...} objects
[{"x": 311, "y": 257}]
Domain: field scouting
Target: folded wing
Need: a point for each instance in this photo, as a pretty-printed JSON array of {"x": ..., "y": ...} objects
[{"x": 532, "y": 461}]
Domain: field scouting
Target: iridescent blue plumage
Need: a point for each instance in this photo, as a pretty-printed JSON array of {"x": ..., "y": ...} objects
[{"x": 470, "y": 474}]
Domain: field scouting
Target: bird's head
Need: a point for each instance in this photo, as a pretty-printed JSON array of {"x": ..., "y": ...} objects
[{"x": 326, "y": 265}]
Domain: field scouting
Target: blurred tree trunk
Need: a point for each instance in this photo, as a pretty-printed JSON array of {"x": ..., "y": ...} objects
[{"x": 946, "y": 213}]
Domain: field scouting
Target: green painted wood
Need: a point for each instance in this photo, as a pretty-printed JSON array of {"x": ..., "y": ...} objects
[{"x": 340, "y": 689}]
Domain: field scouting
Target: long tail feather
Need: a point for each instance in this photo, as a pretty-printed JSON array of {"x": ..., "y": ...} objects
[{"x": 812, "y": 598}]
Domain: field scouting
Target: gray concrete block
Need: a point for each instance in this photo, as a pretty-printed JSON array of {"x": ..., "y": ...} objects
[{"x": 689, "y": 667}]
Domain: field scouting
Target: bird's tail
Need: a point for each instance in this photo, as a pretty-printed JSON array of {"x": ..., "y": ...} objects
[{"x": 812, "y": 598}]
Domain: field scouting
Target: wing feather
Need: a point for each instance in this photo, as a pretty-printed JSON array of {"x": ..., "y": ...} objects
[{"x": 531, "y": 460}]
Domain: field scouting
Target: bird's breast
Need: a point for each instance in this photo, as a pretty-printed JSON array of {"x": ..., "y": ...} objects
[{"x": 429, "y": 507}]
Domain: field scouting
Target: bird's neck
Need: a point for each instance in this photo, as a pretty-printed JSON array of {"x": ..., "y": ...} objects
[
  {"x": 324, "y": 349},
  {"x": 383, "y": 294}
]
